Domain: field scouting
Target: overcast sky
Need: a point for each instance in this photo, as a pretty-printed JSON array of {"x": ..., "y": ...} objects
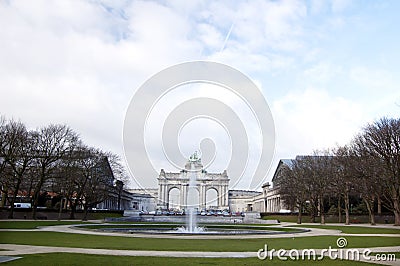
[{"x": 326, "y": 68}]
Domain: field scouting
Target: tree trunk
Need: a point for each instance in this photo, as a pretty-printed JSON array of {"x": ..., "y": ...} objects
[
  {"x": 347, "y": 208},
  {"x": 379, "y": 206},
  {"x": 60, "y": 209},
  {"x": 300, "y": 216},
  {"x": 372, "y": 218},
  {"x": 322, "y": 218},
  {"x": 3, "y": 197},
  {"x": 36, "y": 195},
  {"x": 86, "y": 212},
  {"x": 11, "y": 214},
  {"x": 396, "y": 212},
  {"x": 339, "y": 210},
  {"x": 370, "y": 206},
  {"x": 73, "y": 210},
  {"x": 321, "y": 210},
  {"x": 313, "y": 212}
]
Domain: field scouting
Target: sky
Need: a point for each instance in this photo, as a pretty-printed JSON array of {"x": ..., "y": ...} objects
[{"x": 325, "y": 68}]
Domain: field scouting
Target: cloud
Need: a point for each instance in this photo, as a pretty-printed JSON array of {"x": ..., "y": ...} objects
[
  {"x": 322, "y": 72},
  {"x": 371, "y": 78},
  {"x": 314, "y": 119},
  {"x": 340, "y": 5},
  {"x": 80, "y": 62}
]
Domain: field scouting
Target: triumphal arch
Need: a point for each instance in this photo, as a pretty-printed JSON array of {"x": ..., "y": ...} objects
[{"x": 203, "y": 184}]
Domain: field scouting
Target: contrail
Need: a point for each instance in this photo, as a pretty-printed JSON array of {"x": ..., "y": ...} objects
[{"x": 226, "y": 38}]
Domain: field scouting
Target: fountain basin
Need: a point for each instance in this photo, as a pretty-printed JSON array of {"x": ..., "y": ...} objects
[{"x": 172, "y": 229}]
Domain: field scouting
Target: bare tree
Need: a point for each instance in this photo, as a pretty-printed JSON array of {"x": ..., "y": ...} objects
[
  {"x": 3, "y": 186},
  {"x": 323, "y": 172},
  {"x": 18, "y": 155},
  {"x": 293, "y": 187},
  {"x": 2, "y": 142},
  {"x": 53, "y": 142},
  {"x": 381, "y": 140},
  {"x": 68, "y": 172},
  {"x": 88, "y": 161},
  {"x": 119, "y": 171},
  {"x": 368, "y": 174},
  {"x": 344, "y": 163},
  {"x": 99, "y": 185}
]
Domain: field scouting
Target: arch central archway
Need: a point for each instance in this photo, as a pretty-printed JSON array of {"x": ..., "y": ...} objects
[
  {"x": 211, "y": 199},
  {"x": 193, "y": 198},
  {"x": 174, "y": 198}
]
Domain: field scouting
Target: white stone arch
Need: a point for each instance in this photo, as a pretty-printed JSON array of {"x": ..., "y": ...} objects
[
  {"x": 204, "y": 181},
  {"x": 174, "y": 200},
  {"x": 212, "y": 195}
]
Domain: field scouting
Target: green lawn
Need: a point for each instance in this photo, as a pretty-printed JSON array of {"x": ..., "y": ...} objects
[
  {"x": 282, "y": 218},
  {"x": 116, "y": 242},
  {"x": 101, "y": 216},
  {"x": 33, "y": 224},
  {"x": 354, "y": 229},
  {"x": 84, "y": 259}
]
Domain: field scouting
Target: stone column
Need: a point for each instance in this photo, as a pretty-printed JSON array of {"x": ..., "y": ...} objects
[
  {"x": 203, "y": 194},
  {"x": 219, "y": 197},
  {"x": 226, "y": 195},
  {"x": 185, "y": 189},
  {"x": 222, "y": 196},
  {"x": 165, "y": 195},
  {"x": 181, "y": 196},
  {"x": 273, "y": 205},
  {"x": 160, "y": 195}
]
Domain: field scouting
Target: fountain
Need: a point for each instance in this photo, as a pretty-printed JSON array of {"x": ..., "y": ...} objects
[{"x": 191, "y": 223}]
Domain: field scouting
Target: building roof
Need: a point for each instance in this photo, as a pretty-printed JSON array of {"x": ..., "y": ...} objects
[
  {"x": 287, "y": 162},
  {"x": 282, "y": 163}
]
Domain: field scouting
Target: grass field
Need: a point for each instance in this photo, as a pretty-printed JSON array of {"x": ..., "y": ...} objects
[
  {"x": 116, "y": 242},
  {"x": 354, "y": 229},
  {"x": 83, "y": 259},
  {"x": 282, "y": 218},
  {"x": 33, "y": 224}
]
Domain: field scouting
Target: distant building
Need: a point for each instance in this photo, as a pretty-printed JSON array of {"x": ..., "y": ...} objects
[
  {"x": 242, "y": 200},
  {"x": 143, "y": 199}
]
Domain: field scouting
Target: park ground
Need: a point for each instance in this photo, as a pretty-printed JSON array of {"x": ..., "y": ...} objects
[{"x": 59, "y": 243}]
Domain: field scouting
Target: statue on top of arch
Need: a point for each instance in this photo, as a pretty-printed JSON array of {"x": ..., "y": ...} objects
[{"x": 194, "y": 157}]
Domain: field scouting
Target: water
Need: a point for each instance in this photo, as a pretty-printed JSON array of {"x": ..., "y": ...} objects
[
  {"x": 195, "y": 230},
  {"x": 191, "y": 222}
]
